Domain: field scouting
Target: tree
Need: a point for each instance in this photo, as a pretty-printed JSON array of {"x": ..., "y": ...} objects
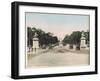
[
  {"x": 87, "y": 37},
  {"x": 74, "y": 38},
  {"x": 45, "y": 39},
  {"x": 29, "y": 36},
  {"x": 66, "y": 40}
]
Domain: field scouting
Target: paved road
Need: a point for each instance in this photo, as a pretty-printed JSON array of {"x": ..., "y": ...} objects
[{"x": 58, "y": 56}]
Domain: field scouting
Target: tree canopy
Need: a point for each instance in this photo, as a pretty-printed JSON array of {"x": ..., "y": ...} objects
[
  {"x": 45, "y": 39},
  {"x": 75, "y": 37}
]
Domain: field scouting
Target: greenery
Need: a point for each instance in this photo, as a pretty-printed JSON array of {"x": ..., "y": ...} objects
[
  {"x": 74, "y": 39},
  {"x": 87, "y": 37},
  {"x": 45, "y": 39}
]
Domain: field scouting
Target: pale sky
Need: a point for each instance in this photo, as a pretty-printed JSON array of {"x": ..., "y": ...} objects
[{"x": 58, "y": 24}]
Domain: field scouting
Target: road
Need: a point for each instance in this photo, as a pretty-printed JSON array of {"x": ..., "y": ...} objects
[{"x": 58, "y": 56}]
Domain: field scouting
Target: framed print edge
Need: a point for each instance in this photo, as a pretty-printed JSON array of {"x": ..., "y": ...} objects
[
  {"x": 96, "y": 39},
  {"x": 15, "y": 40}
]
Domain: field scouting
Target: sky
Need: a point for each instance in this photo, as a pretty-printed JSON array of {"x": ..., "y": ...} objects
[{"x": 58, "y": 24}]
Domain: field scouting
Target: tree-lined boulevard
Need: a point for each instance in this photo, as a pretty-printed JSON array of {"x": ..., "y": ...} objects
[
  {"x": 49, "y": 40},
  {"x": 55, "y": 52}
]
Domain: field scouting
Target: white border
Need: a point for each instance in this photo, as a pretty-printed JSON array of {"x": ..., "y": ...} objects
[{"x": 37, "y": 71}]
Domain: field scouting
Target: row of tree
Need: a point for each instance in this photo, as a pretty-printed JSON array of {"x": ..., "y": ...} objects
[
  {"x": 74, "y": 39},
  {"x": 45, "y": 39}
]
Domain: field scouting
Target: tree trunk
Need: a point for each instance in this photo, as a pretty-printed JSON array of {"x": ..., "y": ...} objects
[{"x": 71, "y": 46}]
